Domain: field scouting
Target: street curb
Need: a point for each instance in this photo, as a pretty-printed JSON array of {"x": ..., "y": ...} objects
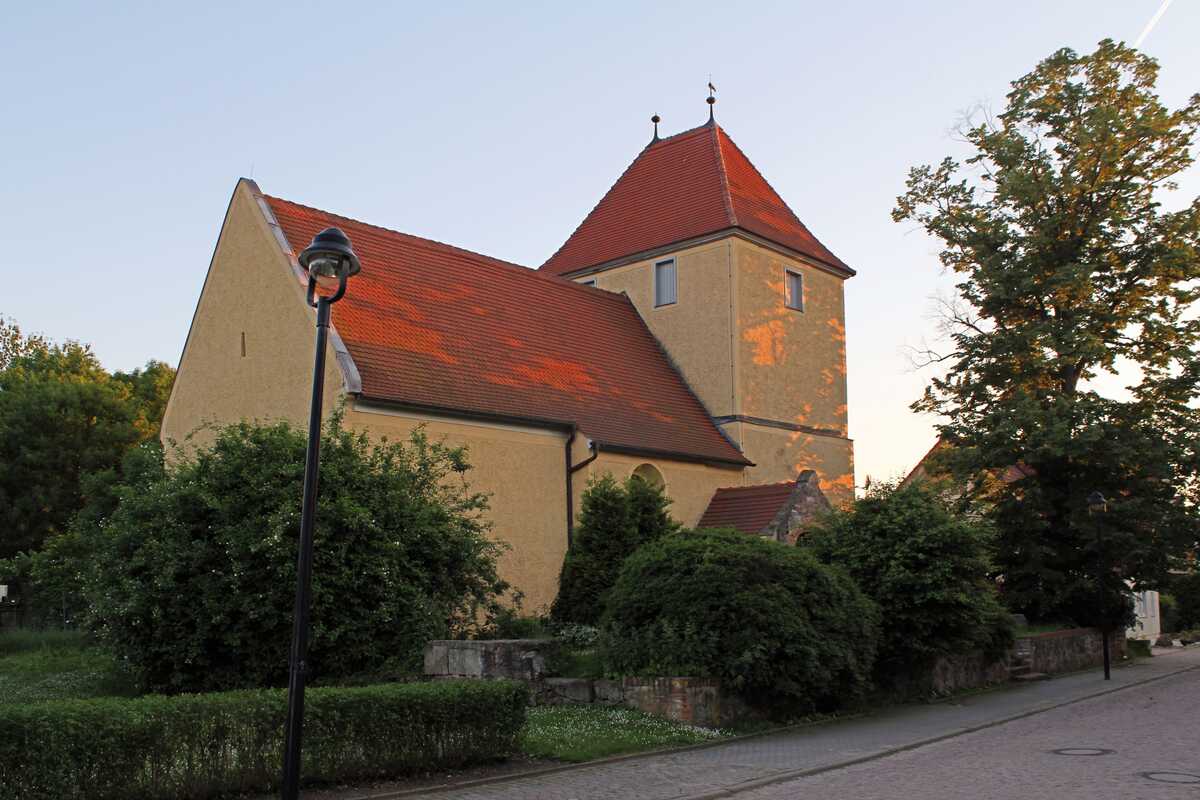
[
  {"x": 783, "y": 777},
  {"x": 760, "y": 782}
]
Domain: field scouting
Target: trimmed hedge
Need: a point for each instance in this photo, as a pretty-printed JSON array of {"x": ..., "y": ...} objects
[{"x": 196, "y": 746}]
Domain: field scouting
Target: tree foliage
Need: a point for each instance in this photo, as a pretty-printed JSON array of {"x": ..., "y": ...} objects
[
  {"x": 615, "y": 520},
  {"x": 1185, "y": 589},
  {"x": 62, "y": 418},
  {"x": 194, "y": 571},
  {"x": 769, "y": 620},
  {"x": 926, "y": 566},
  {"x": 1070, "y": 270}
]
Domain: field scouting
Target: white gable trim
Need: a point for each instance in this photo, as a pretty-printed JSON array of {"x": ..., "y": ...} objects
[{"x": 351, "y": 379}]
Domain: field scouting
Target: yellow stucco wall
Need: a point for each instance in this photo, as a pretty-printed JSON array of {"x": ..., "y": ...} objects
[
  {"x": 690, "y": 486},
  {"x": 250, "y": 292},
  {"x": 695, "y": 330},
  {"x": 792, "y": 370},
  {"x": 780, "y": 455},
  {"x": 522, "y": 469},
  {"x": 793, "y": 363}
]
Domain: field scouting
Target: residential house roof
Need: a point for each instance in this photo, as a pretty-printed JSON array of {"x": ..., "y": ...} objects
[
  {"x": 682, "y": 187},
  {"x": 433, "y": 326},
  {"x": 1010, "y": 474}
]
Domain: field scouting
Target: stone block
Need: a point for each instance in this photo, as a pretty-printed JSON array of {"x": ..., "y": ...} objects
[
  {"x": 695, "y": 701},
  {"x": 565, "y": 691},
  {"x": 519, "y": 659},
  {"x": 465, "y": 660},
  {"x": 608, "y": 693},
  {"x": 437, "y": 658}
]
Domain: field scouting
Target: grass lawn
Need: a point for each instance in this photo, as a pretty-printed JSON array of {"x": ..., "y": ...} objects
[
  {"x": 583, "y": 733},
  {"x": 36, "y": 666}
]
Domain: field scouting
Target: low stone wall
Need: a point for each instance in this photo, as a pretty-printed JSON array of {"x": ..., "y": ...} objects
[
  {"x": 519, "y": 659},
  {"x": 1069, "y": 650},
  {"x": 1046, "y": 653},
  {"x": 952, "y": 674},
  {"x": 700, "y": 701},
  {"x": 695, "y": 701}
]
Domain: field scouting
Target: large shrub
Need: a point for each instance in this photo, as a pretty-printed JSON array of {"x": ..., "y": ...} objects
[
  {"x": 769, "y": 620},
  {"x": 199, "y": 746},
  {"x": 927, "y": 569},
  {"x": 194, "y": 571},
  {"x": 614, "y": 521}
]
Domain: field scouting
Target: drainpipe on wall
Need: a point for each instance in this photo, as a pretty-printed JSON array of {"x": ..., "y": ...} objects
[{"x": 571, "y": 470}]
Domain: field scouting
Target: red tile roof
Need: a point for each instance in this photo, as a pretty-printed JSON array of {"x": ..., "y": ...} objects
[
  {"x": 432, "y": 325},
  {"x": 688, "y": 185},
  {"x": 1010, "y": 474},
  {"x": 749, "y": 509}
]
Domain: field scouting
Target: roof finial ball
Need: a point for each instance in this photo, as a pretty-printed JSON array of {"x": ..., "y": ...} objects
[
  {"x": 712, "y": 100},
  {"x": 656, "y": 119}
]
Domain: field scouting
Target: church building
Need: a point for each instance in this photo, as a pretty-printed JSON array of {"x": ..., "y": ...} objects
[{"x": 691, "y": 331}]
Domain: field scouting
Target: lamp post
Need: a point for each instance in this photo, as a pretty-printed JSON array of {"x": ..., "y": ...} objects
[
  {"x": 329, "y": 261},
  {"x": 1098, "y": 505}
]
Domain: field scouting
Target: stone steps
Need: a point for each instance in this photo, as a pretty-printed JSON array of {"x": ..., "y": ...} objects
[{"x": 1020, "y": 669}]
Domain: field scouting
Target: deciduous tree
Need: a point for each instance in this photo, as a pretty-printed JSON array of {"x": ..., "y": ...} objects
[{"x": 1070, "y": 269}]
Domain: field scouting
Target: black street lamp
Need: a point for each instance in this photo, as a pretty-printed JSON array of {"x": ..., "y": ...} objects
[
  {"x": 329, "y": 261},
  {"x": 1098, "y": 505}
]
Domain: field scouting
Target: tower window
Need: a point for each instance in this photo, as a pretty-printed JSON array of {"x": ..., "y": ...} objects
[
  {"x": 794, "y": 289},
  {"x": 664, "y": 283}
]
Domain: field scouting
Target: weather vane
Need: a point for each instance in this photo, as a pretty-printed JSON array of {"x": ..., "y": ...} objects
[
  {"x": 712, "y": 90},
  {"x": 656, "y": 119}
]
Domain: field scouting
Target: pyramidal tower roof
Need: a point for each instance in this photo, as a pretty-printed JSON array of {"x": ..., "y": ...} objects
[{"x": 686, "y": 186}]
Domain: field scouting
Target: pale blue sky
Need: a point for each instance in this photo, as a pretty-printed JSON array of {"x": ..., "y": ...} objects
[{"x": 496, "y": 127}]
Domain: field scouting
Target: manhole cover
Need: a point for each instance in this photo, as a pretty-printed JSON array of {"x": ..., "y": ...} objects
[
  {"x": 1171, "y": 777},
  {"x": 1082, "y": 751}
]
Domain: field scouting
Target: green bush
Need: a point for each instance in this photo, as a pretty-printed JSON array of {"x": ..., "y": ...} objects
[
  {"x": 927, "y": 569},
  {"x": 615, "y": 520},
  {"x": 1185, "y": 589},
  {"x": 770, "y": 621},
  {"x": 196, "y": 746},
  {"x": 194, "y": 571}
]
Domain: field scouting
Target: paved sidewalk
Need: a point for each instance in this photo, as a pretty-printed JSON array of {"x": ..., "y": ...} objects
[{"x": 725, "y": 769}]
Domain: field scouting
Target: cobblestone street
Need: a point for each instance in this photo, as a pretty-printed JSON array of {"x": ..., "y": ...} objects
[
  {"x": 992, "y": 745},
  {"x": 1112, "y": 742}
]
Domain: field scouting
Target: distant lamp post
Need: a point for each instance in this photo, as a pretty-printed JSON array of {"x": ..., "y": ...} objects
[
  {"x": 329, "y": 261},
  {"x": 1098, "y": 505}
]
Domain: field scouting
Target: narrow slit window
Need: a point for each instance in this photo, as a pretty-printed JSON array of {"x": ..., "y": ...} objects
[
  {"x": 664, "y": 283},
  {"x": 588, "y": 282},
  {"x": 794, "y": 289}
]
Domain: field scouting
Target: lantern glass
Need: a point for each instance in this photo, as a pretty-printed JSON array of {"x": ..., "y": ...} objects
[
  {"x": 330, "y": 258},
  {"x": 329, "y": 266}
]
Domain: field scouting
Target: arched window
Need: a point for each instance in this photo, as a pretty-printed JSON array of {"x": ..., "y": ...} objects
[{"x": 650, "y": 474}]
